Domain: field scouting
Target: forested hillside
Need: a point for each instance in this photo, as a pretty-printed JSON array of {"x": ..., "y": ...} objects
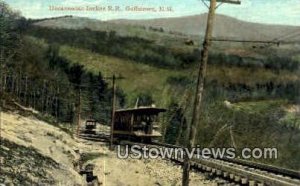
[{"x": 35, "y": 75}]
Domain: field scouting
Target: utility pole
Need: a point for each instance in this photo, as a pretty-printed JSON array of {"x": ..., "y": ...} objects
[
  {"x": 26, "y": 90},
  {"x": 57, "y": 103},
  {"x": 79, "y": 110},
  {"x": 191, "y": 133},
  {"x": 1, "y": 104},
  {"x": 43, "y": 96},
  {"x": 1, "y": 80},
  {"x": 113, "y": 112}
]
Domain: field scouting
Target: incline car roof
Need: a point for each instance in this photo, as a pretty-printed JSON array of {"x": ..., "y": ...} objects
[{"x": 148, "y": 110}]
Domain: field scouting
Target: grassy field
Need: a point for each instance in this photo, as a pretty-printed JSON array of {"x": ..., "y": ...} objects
[
  {"x": 139, "y": 78},
  {"x": 144, "y": 78},
  {"x": 259, "y": 106}
]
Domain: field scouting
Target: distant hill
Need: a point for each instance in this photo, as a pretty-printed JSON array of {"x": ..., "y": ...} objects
[
  {"x": 73, "y": 22},
  {"x": 225, "y": 27},
  {"x": 181, "y": 27}
]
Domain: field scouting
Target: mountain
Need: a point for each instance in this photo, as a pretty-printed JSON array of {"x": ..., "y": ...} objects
[
  {"x": 181, "y": 27},
  {"x": 225, "y": 27}
]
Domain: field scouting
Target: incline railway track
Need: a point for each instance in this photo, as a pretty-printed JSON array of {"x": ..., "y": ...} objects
[
  {"x": 244, "y": 172},
  {"x": 237, "y": 171}
]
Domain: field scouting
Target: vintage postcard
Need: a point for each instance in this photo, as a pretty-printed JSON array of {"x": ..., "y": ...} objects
[{"x": 150, "y": 92}]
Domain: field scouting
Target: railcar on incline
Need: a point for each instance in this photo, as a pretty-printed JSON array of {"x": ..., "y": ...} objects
[{"x": 137, "y": 123}]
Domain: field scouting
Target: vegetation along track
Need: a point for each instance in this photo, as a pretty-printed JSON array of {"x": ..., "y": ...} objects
[{"x": 234, "y": 170}]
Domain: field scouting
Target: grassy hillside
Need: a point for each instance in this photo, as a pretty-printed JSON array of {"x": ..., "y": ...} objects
[
  {"x": 139, "y": 78},
  {"x": 173, "y": 32},
  {"x": 145, "y": 78},
  {"x": 162, "y": 38}
]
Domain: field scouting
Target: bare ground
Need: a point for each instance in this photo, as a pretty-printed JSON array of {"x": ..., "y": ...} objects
[{"x": 56, "y": 153}]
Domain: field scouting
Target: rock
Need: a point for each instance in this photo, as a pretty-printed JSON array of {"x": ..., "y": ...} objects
[
  {"x": 50, "y": 150},
  {"x": 192, "y": 174},
  {"x": 157, "y": 183},
  {"x": 227, "y": 104},
  {"x": 5, "y": 148},
  {"x": 76, "y": 150}
]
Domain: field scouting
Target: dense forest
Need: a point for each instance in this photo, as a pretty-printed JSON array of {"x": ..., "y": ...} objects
[{"x": 35, "y": 75}]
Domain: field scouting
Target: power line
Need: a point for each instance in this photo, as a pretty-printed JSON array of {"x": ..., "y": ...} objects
[
  {"x": 244, "y": 41},
  {"x": 281, "y": 39},
  {"x": 221, "y": 2},
  {"x": 205, "y": 3},
  {"x": 291, "y": 34}
]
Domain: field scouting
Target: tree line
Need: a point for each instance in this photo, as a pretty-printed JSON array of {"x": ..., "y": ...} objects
[
  {"x": 236, "y": 92},
  {"x": 109, "y": 43},
  {"x": 273, "y": 61},
  {"x": 58, "y": 95}
]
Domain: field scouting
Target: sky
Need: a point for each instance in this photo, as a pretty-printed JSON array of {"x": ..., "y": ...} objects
[{"x": 285, "y": 12}]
